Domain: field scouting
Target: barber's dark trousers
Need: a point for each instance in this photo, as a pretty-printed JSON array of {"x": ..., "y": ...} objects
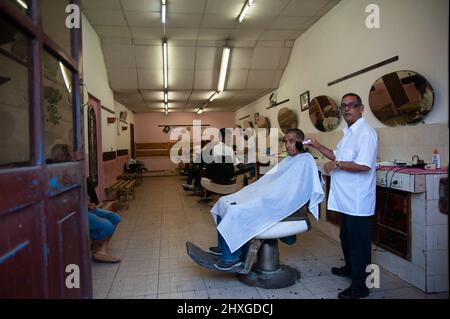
[{"x": 356, "y": 242}]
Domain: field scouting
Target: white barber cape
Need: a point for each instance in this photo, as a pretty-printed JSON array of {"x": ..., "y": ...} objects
[{"x": 278, "y": 194}]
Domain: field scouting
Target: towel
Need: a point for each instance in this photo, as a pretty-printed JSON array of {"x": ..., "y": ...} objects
[{"x": 278, "y": 194}]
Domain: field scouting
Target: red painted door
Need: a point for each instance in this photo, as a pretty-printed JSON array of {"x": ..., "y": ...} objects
[{"x": 44, "y": 239}]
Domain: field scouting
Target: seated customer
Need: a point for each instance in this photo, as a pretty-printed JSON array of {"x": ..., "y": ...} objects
[
  {"x": 102, "y": 224},
  {"x": 279, "y": 193},
  {"x": 195, "y": 171}
]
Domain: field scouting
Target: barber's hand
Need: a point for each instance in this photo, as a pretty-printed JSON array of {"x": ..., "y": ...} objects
[
  {"x": 313, "y": 142},
  {"x": 329, "y": 167}
]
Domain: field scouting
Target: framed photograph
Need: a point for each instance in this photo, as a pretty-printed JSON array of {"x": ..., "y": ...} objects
[
  {"x": 256, "y": 117},
  {"x": 304, "y": 101}
]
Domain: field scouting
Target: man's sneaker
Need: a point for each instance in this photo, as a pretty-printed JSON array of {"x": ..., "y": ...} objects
[
  {"x": 228, "y": 265},
  {"x": 215, "y": 251},
  {"x": 188, "y": 187},
  {"x": 340, "y": 271}
]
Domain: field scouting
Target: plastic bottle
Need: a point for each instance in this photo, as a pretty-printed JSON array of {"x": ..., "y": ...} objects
[{"x": 435, "y": 159}]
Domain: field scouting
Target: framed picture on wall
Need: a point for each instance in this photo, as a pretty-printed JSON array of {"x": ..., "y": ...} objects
[
  {"x": 304, "y": 101},
  {"x": 256, "y": 117}
]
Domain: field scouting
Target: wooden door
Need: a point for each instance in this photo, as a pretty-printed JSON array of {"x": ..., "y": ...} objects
[{"x": 44, "y": 239}]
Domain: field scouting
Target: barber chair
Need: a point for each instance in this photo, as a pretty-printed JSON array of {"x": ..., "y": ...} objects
[
  {"x": 221, "y": 177},
  {"x": 262, "y": 266}
]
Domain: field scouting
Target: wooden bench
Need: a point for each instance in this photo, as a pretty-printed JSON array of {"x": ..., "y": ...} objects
[
  {"x": 136, "y": 176},
  {"x": 123, "y": 187},
  {"x": 112, "y": 205}
]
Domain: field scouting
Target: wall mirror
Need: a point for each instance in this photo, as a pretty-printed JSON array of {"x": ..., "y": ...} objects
[
  {"x": 324, "y": 113},
  {"x": 401, "y": 98},
  {"x": 263, "y": 122},
  {"x": 286, "y": 119}
]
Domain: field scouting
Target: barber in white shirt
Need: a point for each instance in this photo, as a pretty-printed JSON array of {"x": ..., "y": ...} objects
[
  {"x": 222, "y": 149},
  {"x": 352, "y": 193}
]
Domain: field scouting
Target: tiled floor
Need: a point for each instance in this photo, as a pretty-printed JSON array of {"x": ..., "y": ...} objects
[{"x": 151, "y": 242}]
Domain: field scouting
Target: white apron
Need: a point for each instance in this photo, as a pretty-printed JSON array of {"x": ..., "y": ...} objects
[{"x": 278, "y": 194}]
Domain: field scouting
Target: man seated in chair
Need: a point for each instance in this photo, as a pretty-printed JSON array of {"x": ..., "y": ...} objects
[{"x": 288, "y": 186}]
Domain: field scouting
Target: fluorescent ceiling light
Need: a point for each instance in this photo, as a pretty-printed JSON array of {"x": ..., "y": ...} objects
[
  {"x": 166, "y": 106},
  {"x": 23, "y": 4},
  {"x": 65, "y": 76},
  {"x": 163, "y": 11},
  {"x": 245, "y": 9},
  {"x": 223, "y": 68},
  {"x": 166, "y": 97},
  {"x": 213, "y": 96},
  {"x": 165, "y": 66},
  {"x": 200, "y": 110}
]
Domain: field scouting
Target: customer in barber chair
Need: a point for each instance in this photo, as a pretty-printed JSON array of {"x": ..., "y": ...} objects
[
  {"x": 219, "y": 157},
  {"x": 196, "y": 170},
  {"x": 243, "y": 215}
]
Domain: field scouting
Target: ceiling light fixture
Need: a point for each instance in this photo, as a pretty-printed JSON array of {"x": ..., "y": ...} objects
[
  {"x": 213, "y": 96},
  {"x": 163, "y": 11},
  {"x": 23, "y": 4},
  {"x": 223, "y": 68},
  {"x": 65, "y": 76},
  {"x": 165, "y": 64},
  {"x": 166, "y": 97},
  {"x": 244, "y": 10},
  {"x": 200, "y": 110},
  {"x": 166, "y": 108}
]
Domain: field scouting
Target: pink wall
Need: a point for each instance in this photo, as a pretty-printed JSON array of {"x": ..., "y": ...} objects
[{"x": 147, "y": 130}]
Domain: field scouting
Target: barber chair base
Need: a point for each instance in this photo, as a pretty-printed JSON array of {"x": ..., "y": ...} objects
[
  {"x": 283, "y": 277},
  {"x": 205, "y": 259}
]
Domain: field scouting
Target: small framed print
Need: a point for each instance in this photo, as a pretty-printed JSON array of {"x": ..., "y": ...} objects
[
  {"x": 304, "y": 101},
  {"x": 256, "y": 117}
]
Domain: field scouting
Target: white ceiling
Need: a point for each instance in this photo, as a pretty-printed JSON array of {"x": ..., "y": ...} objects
[{"x": 131, "y": 33}]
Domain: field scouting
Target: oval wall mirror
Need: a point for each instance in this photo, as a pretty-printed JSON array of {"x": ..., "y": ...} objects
[
  {"x": 401, "y": 98},
  {"x": 263, "y": 122},
  {"x": 248, "y": 124},
  {"x": 324, "y": 113},
  {"x": 286, "y": 119}
]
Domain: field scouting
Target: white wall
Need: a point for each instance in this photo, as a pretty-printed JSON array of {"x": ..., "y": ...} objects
[
  {"x": 95, "y": 77},
  {"x": 340, "y": 44}
]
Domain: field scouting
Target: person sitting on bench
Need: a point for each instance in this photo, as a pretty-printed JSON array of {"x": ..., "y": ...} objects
[
  {"x": 288, "y": 186},
  {"x": 102, "y": 224}
]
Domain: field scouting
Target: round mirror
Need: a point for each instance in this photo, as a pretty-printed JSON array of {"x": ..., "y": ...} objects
[
  {"x": 324, "y": 113},
  {"x": 400, "y": 98},
  {"x": 263, "y": 122},
  {"x": 286, "y": 119},
  {"x": 248, "y": 124}
]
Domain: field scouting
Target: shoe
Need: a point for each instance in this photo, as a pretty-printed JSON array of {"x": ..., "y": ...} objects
[
  {"x": 188, "y": 187},
  {"x": 228, "y": 265},
  {"x": 340, "y": 271},
  {"x": 351, "y": 293},
  {"x": 102, "y": 258},
  {"x": 215, "y": 251}
]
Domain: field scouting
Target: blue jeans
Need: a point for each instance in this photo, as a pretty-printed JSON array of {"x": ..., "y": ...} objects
[
  {"x": 102, "y": 223},
  {"x": 227, "y": 254}
]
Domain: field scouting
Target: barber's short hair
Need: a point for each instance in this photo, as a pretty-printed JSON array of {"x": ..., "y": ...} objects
[
  {"x": 358, "y": 98},
  {"x": 298, "y": 133}
]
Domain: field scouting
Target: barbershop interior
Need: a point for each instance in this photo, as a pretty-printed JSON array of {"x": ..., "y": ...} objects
[{"x": 105, "y": 106}]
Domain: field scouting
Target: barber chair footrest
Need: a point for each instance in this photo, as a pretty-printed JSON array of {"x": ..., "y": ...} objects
[
  {"x": 205, "y": 259},
  {"x": 284, "y": 277}
]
